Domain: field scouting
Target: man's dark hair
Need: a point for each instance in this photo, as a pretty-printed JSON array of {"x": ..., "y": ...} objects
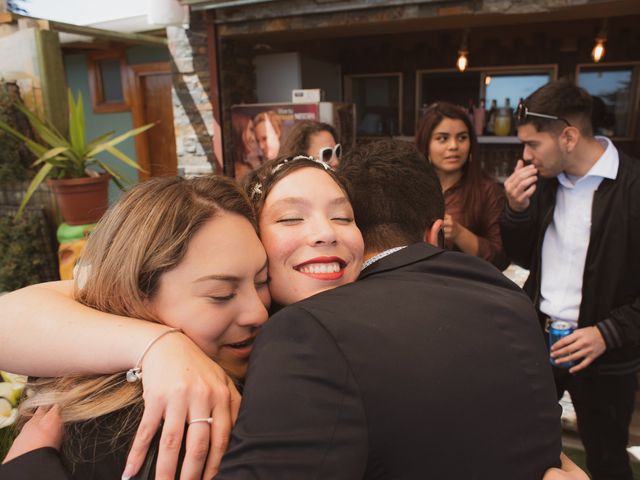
[
  {"x": 562, "y": 99},
  {"x": 395, "y": 193}
]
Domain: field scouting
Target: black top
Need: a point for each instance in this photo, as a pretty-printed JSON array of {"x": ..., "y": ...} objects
[{"x": 97, "y": 453}]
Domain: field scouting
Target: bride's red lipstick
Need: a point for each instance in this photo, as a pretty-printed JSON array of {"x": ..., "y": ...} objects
[{"x": 317, "y": 272}]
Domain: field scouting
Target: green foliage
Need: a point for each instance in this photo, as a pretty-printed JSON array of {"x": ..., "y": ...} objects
[
  {"x": 7, "y": 435},
  {"x": 23, "y": 260},
  {"x": 15, "y": 159},
  {"x": 11, "y": 167},
  {"x": 72, "y": 156}
]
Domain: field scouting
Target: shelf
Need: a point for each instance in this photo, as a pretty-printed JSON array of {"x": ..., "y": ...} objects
[{"x": 499, "y": 140}]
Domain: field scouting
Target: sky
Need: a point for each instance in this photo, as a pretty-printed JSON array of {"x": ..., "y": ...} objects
[{"x": 83, "y": 12}]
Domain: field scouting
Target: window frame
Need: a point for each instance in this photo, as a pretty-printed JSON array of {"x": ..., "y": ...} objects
[
  {"x": 98, "y": 102},
  {"x": 634, "y": 104},
  {"x": 348, "y": 96}
]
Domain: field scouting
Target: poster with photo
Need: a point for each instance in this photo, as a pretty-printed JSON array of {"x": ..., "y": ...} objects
[{"x": 258, "y": 129}]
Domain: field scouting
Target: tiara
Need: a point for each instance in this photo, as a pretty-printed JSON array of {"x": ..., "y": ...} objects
[
  {"x": 256, "y": 191},
  {"x": 325, "y": 165}
]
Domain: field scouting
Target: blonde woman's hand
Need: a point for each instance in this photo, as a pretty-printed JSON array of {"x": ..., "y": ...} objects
[
  {"x": 181, "y": 383},
  {"x": 44, "y": 429}
]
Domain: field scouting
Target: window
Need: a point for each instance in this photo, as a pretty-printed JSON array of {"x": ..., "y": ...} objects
[
  {"x": 107, "y": 80},
  {"x": 378, "y": 100},
  {"x": 611, "y": 87},
  {"x": 468, "y": 87},
  {"x": 515, "y": 87}
]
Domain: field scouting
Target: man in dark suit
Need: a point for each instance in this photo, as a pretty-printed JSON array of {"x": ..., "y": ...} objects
[{"x": 431, "y": 365}]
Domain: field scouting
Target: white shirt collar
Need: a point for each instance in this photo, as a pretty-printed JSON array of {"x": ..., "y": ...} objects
[
  {"x": 605, "y": 167},
  {"x": 380, "y": 256}
]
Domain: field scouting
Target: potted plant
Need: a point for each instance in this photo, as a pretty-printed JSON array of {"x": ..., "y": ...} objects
[{"x": 70, "y": 164}]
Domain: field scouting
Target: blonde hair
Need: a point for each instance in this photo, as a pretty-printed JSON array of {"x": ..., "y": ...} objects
[
  {"x": 146, "y": 233},
  {"x": 269, "y": 116}
]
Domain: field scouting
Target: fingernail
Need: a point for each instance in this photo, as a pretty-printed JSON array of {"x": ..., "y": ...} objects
[{"x": 128, "y": 472}]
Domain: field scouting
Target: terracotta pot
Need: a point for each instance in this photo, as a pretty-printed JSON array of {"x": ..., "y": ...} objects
[{"x": 82, "y": 200}]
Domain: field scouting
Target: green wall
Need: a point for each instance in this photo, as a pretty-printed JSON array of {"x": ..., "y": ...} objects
[{"x": 77, "y": 75}]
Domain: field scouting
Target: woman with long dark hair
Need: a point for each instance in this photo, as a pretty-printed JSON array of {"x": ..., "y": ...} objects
[{"x": 473, "y": 201}]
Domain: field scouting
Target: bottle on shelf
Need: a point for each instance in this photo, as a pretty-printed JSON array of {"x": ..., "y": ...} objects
[
  {"x": 491, "y": 117},
  {"x": 503, "y": 121},
  {"x": 479, "y": 118}
]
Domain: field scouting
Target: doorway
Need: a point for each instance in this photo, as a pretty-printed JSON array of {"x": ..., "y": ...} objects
[{"x": 151, "y": 103}]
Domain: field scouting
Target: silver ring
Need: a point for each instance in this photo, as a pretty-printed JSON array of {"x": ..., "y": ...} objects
[{"x": 208, "y": 420}]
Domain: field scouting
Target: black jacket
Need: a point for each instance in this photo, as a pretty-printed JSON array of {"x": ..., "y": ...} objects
[
  {"x": 430, "y": 366},
  {"x": 611, "y": 280}
]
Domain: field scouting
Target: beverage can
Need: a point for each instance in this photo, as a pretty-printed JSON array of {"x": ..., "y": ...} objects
[{"x": 557, "y": 331}]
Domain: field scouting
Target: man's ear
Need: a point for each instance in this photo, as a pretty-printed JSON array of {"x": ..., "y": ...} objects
[
  {"x": 569, "y": 138},
  {"x": 431, "y": 233}
]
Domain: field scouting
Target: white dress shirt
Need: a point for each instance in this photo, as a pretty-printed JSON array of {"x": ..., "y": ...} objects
[{"x": 566, "y": 240}]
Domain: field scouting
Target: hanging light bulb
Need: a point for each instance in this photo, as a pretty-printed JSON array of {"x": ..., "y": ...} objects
[
  {"x": 462, "y": 61},
  {"x": 463, "y": 51},
  {"x": 598, "y": 50},
  {"x": 487, "y": 80}
]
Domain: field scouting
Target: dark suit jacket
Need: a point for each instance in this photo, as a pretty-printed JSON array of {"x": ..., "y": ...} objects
[{"x": 431, "y": 366}]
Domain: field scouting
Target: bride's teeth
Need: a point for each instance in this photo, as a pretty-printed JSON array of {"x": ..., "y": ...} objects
[{"x": 333, "y": 267}]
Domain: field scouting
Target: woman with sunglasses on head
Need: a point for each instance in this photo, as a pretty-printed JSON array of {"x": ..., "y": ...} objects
[
  {"x": 306, "y": 223},
  {"x": 473, "y": 201},
  {"x": 316, "y": 139}
]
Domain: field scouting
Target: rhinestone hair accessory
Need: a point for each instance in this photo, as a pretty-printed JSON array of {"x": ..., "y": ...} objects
[
  {"x": 325, "y": 165},
  {"x": 256, "y": 191}
]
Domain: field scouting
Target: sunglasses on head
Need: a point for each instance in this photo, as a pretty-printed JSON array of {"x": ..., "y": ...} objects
[
  {"x": 522, "y": 112},
  {"x": 325, "y": 154}
]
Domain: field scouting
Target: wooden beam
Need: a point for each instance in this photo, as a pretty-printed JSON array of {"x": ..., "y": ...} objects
[
  {"x": 98, "y": 33},
  {"x": 214, "y": 92},
  {"x": 130, "y": 38}
]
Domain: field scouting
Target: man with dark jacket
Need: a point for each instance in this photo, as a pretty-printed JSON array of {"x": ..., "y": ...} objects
[
  {"x": 430, "y": 366},
  {"x": 573, "y": 219}
]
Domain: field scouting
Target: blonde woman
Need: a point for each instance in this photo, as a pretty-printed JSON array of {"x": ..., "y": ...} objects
[{"x": 183, "y": 255}]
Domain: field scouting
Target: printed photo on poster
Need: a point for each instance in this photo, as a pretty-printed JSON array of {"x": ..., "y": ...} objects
[{"x": 259, "y": 128}]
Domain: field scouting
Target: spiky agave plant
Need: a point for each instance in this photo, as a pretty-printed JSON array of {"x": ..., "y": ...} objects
[{"x": 61, "y": 157}]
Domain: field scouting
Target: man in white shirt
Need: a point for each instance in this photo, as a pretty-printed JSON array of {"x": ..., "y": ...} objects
[{"x": 572, "y": 218}]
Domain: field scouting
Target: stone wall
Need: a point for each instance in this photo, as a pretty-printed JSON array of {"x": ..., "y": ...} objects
[{"x": 192, "y": 109}]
